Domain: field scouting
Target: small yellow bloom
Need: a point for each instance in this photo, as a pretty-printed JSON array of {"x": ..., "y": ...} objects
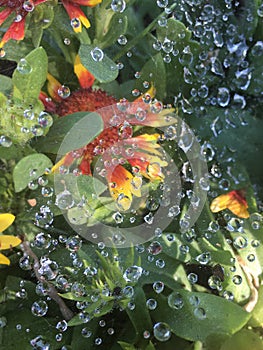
[{"x": 7, "y": 241}]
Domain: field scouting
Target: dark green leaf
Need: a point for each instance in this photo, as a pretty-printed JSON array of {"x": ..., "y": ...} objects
[
  {"x": 104, "y": 69},
  {"x": 30, "y": 168},
  {"x": 70, "y": 133},
  {"x": 30, "y": 80},
  {"x": 6, "y": 85},
  {"x": 202, "y": 315}
]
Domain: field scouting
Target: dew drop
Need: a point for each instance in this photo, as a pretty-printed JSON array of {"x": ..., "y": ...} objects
[
  {"x": 118, "y": 5},
  {"x": 158, "y": 287},
  {"x": 24, "y": 67},
  {"x": 151, "y": 304},
  {"x": 175, "y": 301},
  {"x": 162, "y": 331},
  {"x": 64, "y": 91},
  {"x": 28, "y": 6},
  {"x": 223, "y": 96},
  {"x": 5, "y": 141},
  {"x": 132, "y": 273},
  {"x": 2, "y": 53},
  {"x": 97, "y": 54},
  {"x": 39, "y": 308},
  {"x": 64, "y": 200},
  {"x": 75, "y": 23},
  {"x": 200, "y": 313}
]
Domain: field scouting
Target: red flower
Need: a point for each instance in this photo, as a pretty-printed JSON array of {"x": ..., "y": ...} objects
[
  {"x": 75, "y": 13},
  {"x": 126, "y": 159},
  {"x": 20, "y": 9}
]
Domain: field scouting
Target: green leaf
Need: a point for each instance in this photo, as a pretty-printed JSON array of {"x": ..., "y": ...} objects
[
  {"x": 126, "y": 346},
  {"x": 140, "y": 316},
  {"x": 70, "y": 133},
  {"x": 202, "y": 315},
  {"x": 104, "y": 70},
  {"x": 30, "y": 81},
  {"x": 244, "y": 340},
  {"x": 116, "y": 27},
  {"x": 154, "y": 71},
  {"x": 30, "y": 168},
  {"x": 257, "y": 314},
  {"x": 6, "y": 85}
]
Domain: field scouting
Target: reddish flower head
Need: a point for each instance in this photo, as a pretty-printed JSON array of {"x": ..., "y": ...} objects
[
  {"x": 19, "y": 9},
  {"x": 125, "y": 157}
]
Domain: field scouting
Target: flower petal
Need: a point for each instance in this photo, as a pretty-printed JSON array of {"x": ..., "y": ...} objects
[
  {"x": 74, "y": 12},
  {"x": 16, "y": 32},
  {"x": 4, "y": 14},
  {"x": 6, "y": 220},
  {"x": 4, "y": 260},
  {"x": 7, "y": 241},
  {"x": 234, "y": 201},
  {"x": 53, "y": 86},
  {"x": 89, "y": 3},
  {"x": 86, "y": 79}
]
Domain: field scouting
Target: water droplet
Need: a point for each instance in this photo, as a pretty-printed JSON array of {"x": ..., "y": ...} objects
[
  {"x": 75, "y": 23},
  {"x": 175, "y": 301},
  {"x": 64, "y": 200},
  {"x": 155, "y": 248},
  {"x": 39, "y": 343},
  {"x": 132, "y": 273},
  {"x": 200, "y": 313},
  {"x": 187, "y": 57},
  {"x": 151, "y": 304},
  {"x": 215, "y": 282},
  {"x": 192, "y": 277},
  {"x": 216, "y": 67},
  {"x": 203, "y": 258},
  {"x": 240, "y": 242},
  {"x": 3, "y": 322},
  {"x": 260, "y": 11},
  {"x": 64, "y": 91},
  {"x": 207, "y": 152},
  {"x": 29, "y": 114},
  {"x": 237, "y": 279},
  {"x": 67, "y": 41},
  {"x": 97, "y": 54},
  {"x": 39, "y": 308},
  {"x": 45, "y": 120},
  {"x": 62, "y": 326},
  {"x": 162, "y": 3},
  {"x": 122, "y": 40},
  {"x": 24, "y": 67},
  {"x": 158, "y": 287},
  {"x": 123, "y": 202},
  {"x": 42, "y": 241},
  {"x": 86, "y": 333},
  {"x": 194, "y": 300},
  {"x": 223, "y": 96},
  {"x": 257, "y": 49},
  {"x": 157, "y": 45},
  {"x": 162, "y": 331},
  {"x": 73, "y": 244},
  {"x": 2, "y": 53},
  {"x": 118, "y": 5},
  {"x": 28, "y": 6},
  {"x": 5, "y": 141}
]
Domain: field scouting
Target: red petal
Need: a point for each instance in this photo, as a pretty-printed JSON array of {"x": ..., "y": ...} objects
[{"x": 16, "y": 32}]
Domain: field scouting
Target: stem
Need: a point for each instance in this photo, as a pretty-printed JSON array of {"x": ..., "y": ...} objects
[
  {"x": 52, "y": 292},
  {"x": 134, "y": 41}
]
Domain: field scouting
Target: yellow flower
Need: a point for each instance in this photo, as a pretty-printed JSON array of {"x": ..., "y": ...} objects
[{"x": 6, "y": 241}]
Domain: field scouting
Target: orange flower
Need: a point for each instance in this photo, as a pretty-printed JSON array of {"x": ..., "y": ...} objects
[
  {"x": 234, "y": 201},
  {"x": 75, "y": 13},
  {"x": 6, "y": 241},
  {"x": 16, "y": 31},
  {"x": 127, "y": 159}
]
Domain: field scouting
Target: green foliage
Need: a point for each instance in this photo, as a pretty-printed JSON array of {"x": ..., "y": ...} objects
[{"x": 203, "y": 58}]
